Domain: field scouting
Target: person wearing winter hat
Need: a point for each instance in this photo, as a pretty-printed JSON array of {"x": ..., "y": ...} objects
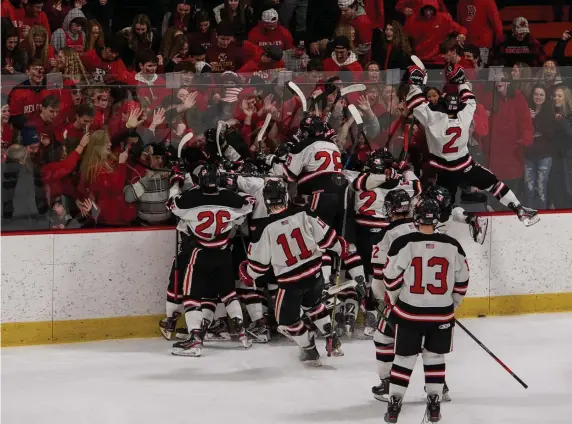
[
  {"x": 354, "y": 14},
  {"x": 296, "y": 59},
  {"x": 343, "y": 58},
  {"x": 271, "y": 60},
  {"x": 270, "y": 32},
  {"x": 519, "y": 46},
  {"x": 71, "y": 34}
]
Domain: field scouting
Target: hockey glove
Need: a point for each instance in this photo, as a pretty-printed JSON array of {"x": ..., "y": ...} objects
[
  {"x": 455, "y": 74},
  {"x": 245, "y": 278},
  {"x": 228, "y": 181},
  {"x": 392, "y": 174},
  {"x": 176, "y": 177},
  {"x": 360, "y": 288},
  {"x": 415, "y": 75}
]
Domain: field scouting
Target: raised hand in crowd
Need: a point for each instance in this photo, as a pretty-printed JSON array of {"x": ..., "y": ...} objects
[
  {"x": 567, "y": 35},
  {"x": 365, "y": 106},
  {"x": 123, "y": 156},
  {"x": 84, "y": 206},
  {"x": 158, "y": 119},
  {"x": 161, "y": 60},
  {"x": 135, "y": 119}
]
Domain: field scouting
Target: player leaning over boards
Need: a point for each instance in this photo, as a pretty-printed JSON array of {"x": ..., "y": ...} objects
[
  {"x": 447, "y": 137},
  {"x": 207, "y": 215},
  {"x": 291, "y": 242},
  {"x": 426, "y": 277}
]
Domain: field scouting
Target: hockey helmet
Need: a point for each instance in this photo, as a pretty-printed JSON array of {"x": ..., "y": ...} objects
[
  {"x": 210, "y": 135},
  {"x": 439, "y": 194},
  {"x": 453, "y": 104},
  {"x": 251, "y": 169},
  {"x": 397, "y": 202},
  {"x": 209, "y": 178},
  {"x": 379, "y": 160},
  {"x": 426, "y": 212},
  {"x": 312, "y": 126},
  {"x": 275, "y": 193}
]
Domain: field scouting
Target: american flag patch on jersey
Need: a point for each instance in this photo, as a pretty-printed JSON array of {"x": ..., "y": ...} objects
[
  {"x": 430, "y": 245},
  {"x": 285, "y": 222}
]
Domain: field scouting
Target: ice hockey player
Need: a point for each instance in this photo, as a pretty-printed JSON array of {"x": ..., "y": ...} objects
[
  {"x": 371, "y": 186},
  {"x": 290, "y": 242},
  {"x": 207, "y": 215},
  {"x": 477, "y": 225},
  {"x": 426, "y": 277},
  {"x": 447, "y": 137}
]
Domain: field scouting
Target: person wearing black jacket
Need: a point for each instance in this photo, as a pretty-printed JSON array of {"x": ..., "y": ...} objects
[
  {"x": 390, "y": 47},
  {"x": 560, "y": 55},
  {"x": 321, "y": 21}
]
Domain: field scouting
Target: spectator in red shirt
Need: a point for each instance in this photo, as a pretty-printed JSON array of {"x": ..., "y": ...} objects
[
  {"x": 38, "y": 47},
  {"x": 225, "y": 55},
  {"x": 150, "y": 86},
  {"x": 520, "y": 46},
  {"x": 29, "y": 15},
  {"x": 70, "y": 65},
  {"x": 14, "y": 57},
  {"x": 71, "y": 33},
  {"x": 375, "y": 11},
  {"x": 182, "y": 17},
  {"x": 205, "y": 35},
  {"x": 80, "y": 126},
  {"x": 8, "y": 10},
  {"x": 105, "y": 65},
  {"x": 94, "y": 36},
  {"x": 26, "y": 98},
  {"x": 45, "y": 121},
  {"x": 342, "y": 59},
  {"x": 102, "y": 178},
  {"x": 354, "y": 15},
  {"x": 6, "y": 129},
  {"x": 271, "y": 60},
  {"x": 270, "y": 32},
  {"x": 483, "y": 23},
  {"x": 99, "y": 97},
  {"x": 390, "y": 47},
  {"x": 429, "y": 28},
  {"x": 56, "y": 11}
]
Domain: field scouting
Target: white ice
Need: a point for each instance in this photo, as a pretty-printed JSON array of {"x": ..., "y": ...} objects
[{"x": 137, "y": 381}]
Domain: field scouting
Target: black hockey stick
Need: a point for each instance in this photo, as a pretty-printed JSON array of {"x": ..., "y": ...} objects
[{"x": 486, "y": 349}]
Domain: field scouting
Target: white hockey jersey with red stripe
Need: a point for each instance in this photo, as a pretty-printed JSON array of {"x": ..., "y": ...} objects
[
  {"x": 426, "y": 277},
  {"x": 209, "y": 218},
  {"x": 447, "y": 138}
]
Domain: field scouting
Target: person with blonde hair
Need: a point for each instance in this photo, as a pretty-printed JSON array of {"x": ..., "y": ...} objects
[
  {"x": 94, "y": 36},
  {"x": 560, "y": 183},
  {"x": 522, "y": 78},
  {"x": 102, "y": 179},
  {"x": 38, "y": 47},
  {"x": 70, "y": 65}
]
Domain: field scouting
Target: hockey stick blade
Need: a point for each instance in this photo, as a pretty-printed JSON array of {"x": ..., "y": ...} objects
[
  {"x": 357, "y": 116},
  {"x": 182, "y": 143},
  {"x": 293, "y": 87},
  {"x": 263, "y": 129},
  {"x": 354, "y": 88},
  {"x": 417, "y": 62},
  {"x": 218, "y": 131},
  {"x": 351, "y": 284}
]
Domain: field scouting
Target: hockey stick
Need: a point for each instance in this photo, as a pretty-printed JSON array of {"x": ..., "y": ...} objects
[
  {"x": 501, "y": 363},
  {"x": 262, "y": 131},
  {"x": 359, "y": 122},
  {"x": 219, "y": 127},
  {"x": 293, "y": 87},
  {"x": 330, "y": 345},
  {"x": 354, "y": 88}
]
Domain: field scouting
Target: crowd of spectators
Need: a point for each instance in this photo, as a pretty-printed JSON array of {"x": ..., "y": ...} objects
[{"x": 89, "y": 110}]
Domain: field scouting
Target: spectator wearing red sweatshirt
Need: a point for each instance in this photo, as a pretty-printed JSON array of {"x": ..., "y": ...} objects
[
  {"x": 520, "y": 46},
  {"x": 45, "y": 121},
  {"x": 374, "y": 9},
  {"x": 6, "y": 128},
  {"x": 270, "y": 32},
  {"x": 104, "y": 65},
  {"x": 8, "y": 10},
  {"x": 102, "y": 178},
  {"x": 225, "y": 55},
  {"x": 511, "y": 130},
  {"x": 80, "y": 126},
  {"x": 26, "y": 98},
  {"x": 29, "y": 15},
  {"x": 354, "y": 15},
  {"x": 150, "y": 87},
  {"x": 483, "y": 23},
  {"x": 429, "y": 28},
  {"x": 270, "y": 62},
  {"x": 342, "y": 59}
]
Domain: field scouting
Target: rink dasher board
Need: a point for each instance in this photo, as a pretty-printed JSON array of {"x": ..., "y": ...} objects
[{"x": 82, "y": 285}]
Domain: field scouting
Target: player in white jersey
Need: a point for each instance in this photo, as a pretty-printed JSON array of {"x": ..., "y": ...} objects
[
  {"x": 426, "y": 277},
  {"x": 371, "y": 187},
  {"x": 207, "y": 215},
  {"x": 447, "y": 134},
  {"x": 291, "y": 242}
]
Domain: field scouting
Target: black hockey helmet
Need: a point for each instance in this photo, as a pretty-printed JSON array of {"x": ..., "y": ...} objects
[
  {"x": 251, "y": 169},
  {"x": 427, "y": 212},
  {"x": 210, "y": 135},
  {"x": 397, "y": 202},
  {"x": 275, "y": 193},
  {"x": 312, "y": 126},
  {"x": 453, "y": 104},
  {"x": 379, "y": 160},
  {"x": 209, "y": 178},
  {"x": 439, "y": 194}
]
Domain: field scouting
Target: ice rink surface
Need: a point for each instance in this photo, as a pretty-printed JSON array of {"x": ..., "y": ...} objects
[{"x": 137, "y": 381}]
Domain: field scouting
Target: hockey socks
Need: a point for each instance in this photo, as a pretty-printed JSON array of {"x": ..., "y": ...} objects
[
  {"x": 504, "y": 195},
  {"x": 434, "y": 367}
]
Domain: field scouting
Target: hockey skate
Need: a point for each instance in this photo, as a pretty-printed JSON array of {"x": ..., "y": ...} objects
[
  {"x": 167, "y": 325},
  {"x": 381, "y": 391},
  {"x": 370, "y": 324},
  {"x": 393, "y": 409},
  {"x": 311, "y": 356},
  {"x": 433, "y": 412},
  {"x": 218, "y": 331},
  {"x": 445, "y": 397},
  {"x": 258, "y": 332},
  {"x": 350, "y": 319},
  {"x": 182, "y": 333},
  {"x": 527, "y": 216},
  {"x": 478, "y": 226},
  {"x": 241, "y": 332},
  {"x": 333, "y": 344},
  {"x": 192, "y": 346}
]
